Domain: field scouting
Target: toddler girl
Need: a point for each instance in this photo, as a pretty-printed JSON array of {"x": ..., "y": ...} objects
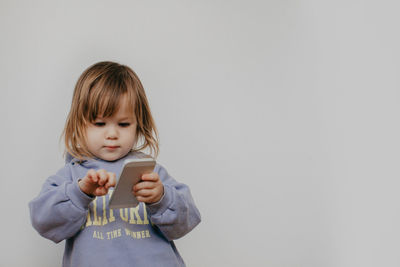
[{"x": 110, "y": 121}]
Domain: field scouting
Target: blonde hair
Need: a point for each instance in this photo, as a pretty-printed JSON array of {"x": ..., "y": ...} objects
[{"x": 97, "y": 93}]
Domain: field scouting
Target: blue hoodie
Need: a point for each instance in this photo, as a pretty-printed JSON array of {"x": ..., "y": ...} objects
[{"x": 98, "y": 236}]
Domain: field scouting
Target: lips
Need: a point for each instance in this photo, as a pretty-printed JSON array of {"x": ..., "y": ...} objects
[{"x": 111, "y": 147}]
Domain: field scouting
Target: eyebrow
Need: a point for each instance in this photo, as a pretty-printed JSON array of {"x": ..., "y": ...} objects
[
  {"x": 126, "y": 118},
  {"x": 120, "y": 119}
]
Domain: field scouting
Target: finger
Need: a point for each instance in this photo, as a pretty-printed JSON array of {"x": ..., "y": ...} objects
[
  {"x": 92, "y": 175},
  {"x": 150, "y": 177},
  {"x": 144, "y": 193},
  {"x": 142, "y": 199},
  {"x": 144, "y": 185},
  {"x": 149, "y": 199},
  {"x": 103, "y": 177},
  {"x": 111, "y": 180},
  {"x": 100, "y": 191}
]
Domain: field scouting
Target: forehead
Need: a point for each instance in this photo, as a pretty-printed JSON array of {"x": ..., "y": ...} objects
[
  {"x": 118, "y": 108},
  {"x": 124, "y": 108}
]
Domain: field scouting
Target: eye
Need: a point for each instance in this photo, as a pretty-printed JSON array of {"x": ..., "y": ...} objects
[
  {"x": 99, "y": 124},
  {"x": 124, "y": 124}
]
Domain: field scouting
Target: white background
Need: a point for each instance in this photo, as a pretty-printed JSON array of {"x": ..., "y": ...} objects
[{"x": 282, "y": 117}]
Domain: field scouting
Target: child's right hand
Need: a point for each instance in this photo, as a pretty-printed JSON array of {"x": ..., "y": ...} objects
[{"x": 97, "y": 183}]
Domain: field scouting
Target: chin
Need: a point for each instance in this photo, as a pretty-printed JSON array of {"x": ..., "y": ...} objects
[
  {"x": 109, "y": 157},
  {"x": 112, "y": 158}
]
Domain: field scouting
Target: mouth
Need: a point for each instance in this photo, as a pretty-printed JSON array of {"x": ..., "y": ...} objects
[{"x": 111, "y": 147}]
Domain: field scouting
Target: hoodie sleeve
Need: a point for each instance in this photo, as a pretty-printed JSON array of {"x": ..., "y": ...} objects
[
  {"x": 61, "y": 208},
  {"x": 175, "y": 214}
]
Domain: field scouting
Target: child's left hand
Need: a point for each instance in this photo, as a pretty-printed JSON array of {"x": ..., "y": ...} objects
[{"x": 150, "y": 189}]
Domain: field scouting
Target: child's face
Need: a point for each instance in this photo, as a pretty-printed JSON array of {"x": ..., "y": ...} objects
[{"x": 113, "y": 137}]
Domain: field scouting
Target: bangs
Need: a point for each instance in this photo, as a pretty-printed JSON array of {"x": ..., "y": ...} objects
[{"x": 105, "y": 96}]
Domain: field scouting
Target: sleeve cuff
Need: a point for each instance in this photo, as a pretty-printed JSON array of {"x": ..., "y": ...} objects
[
  {"x": 162, "y": 205},
  {"x": 78, "y": 198}
]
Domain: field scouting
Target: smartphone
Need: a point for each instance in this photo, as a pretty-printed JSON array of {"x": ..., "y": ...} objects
[{"x": 132, "y": 171}]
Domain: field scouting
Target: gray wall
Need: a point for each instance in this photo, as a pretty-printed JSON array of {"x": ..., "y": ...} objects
[{"x": 282, "y": 116}]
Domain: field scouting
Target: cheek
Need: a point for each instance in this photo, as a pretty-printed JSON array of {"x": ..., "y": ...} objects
[
  {"x": 131, "y": 136},
  {"x": 90, "y": 133},
  {"x": 93, "y": 136}
]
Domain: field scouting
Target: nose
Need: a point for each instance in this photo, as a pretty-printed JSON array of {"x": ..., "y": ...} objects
[{"x": 112, "y": 132}]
